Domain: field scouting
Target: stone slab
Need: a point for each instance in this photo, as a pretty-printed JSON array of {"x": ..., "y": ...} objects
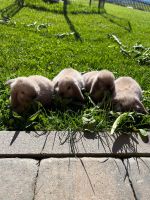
[
  {"x": 138, "y": 171},
  {"x": 61, "y": 144},
  {"x": 82, "y": 179},
  {"x": 17, "y": 179}
]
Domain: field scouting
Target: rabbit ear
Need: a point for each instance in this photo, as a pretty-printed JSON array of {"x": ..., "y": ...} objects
[
  {"x": 37, "y": 91},
  {"x": 77, "y": 92},
  {"x": 14, "y": 100},
  {"x": 94, "y": 86},
  {"x": 140, "y": 107},
  {"x": 56, "y": 89},
  {"x": 10, "y": 81}
]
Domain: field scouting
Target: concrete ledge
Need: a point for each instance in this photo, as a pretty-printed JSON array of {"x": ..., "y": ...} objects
[{"x": 63, "y": 144}]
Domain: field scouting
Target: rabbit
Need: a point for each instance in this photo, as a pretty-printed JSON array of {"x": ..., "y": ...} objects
[
  {"x": 99, "y": 84},
  {"x": 127, "y": 96},
  {"x": 24, "y": 90},
  {"x": 69, "y": 84}
]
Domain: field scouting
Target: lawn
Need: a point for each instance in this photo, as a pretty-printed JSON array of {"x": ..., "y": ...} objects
[{"x": 41, "y": 39}]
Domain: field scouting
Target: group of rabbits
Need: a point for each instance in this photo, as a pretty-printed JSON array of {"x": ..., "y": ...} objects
[{"x": 125, "y": 93}]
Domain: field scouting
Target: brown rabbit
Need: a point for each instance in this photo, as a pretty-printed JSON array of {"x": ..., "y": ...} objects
[
  {"x": 127, "y": 96},
  {"x": 26, "y": 89},
  {"x": 99, "y": 84},
  {"x": 69, "y": 84}
]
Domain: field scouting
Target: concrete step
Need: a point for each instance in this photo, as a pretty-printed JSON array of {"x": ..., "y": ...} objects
[
  {"x": 17, "y": 178},
  {"x": 75, "y": 178},
  {"x": 82, "y": 179},
  {"x": 73, "y": 166},
  {"x": 62, "y": 144}
]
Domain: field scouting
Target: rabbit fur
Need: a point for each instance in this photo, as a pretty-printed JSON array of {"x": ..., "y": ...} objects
[
  {"x": 99, "y": 84},
  {"x": 69, "y": 84},
  {"x": 127, "y": 96},
  {"x": 24, "y": 90}
]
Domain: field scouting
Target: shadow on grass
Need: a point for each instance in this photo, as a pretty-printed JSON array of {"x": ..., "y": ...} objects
[
  {"x": 12, "y": 9},
  {"x": 64, "y": 12},
  {"x": 38, "y": 8},
  {"x": 69, "y": 22},
  {"x": 121, "y": 22},
  {"x": 125, "y": 24}
]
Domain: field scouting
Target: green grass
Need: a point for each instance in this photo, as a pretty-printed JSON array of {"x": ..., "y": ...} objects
[{"x": 28, "y": 47}]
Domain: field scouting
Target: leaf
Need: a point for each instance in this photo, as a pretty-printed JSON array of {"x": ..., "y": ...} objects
[
  {"x": 34, "y": 116},
  {"x": 116, "y": 39},
  {"x": 41, "y": 26},
  {"x": 131, "y": 115},
  {"x": 15, "y": 115},
  {"x": 91, "y": 101},
  {"x": 88, "y": 119},
  {"x": 114, "y": 114},
  {"x": 62, "y": 35},
  {"x": 29, "y": 125},
  {"x": 118, "y": 121},
  {"x": 143, "y": 133},
  {"x": 124, "y": 51},
  {"x": 32, "y": 24},
  {"x": 138, "y": 47},
  {"x": 112, "y": 46}
]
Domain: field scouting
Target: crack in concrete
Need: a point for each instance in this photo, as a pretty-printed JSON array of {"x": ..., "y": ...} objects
[
  {"x": 36, "y": 178},
  {"x": 130, "y": 181},
  {"x": 41, "y": 156}
]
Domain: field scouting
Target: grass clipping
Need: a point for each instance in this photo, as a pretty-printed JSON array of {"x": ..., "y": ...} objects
[
  {"x": 131, "y": 121},
  {"x": 138, "y": 52}
]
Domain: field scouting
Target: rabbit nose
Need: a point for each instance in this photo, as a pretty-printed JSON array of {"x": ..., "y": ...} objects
[
  {"x": 34, "y": 96},
  {"x": 55, "y": 92},
  {"x": 62, "y": 94}
]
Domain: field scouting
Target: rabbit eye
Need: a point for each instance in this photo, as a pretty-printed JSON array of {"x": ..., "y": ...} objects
[
  {"x": 22, "y": 92},
  {"x": 69, "y": 88},
  {"x": 62, "y": 94},
  {"x": 33, "y": 96}
]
